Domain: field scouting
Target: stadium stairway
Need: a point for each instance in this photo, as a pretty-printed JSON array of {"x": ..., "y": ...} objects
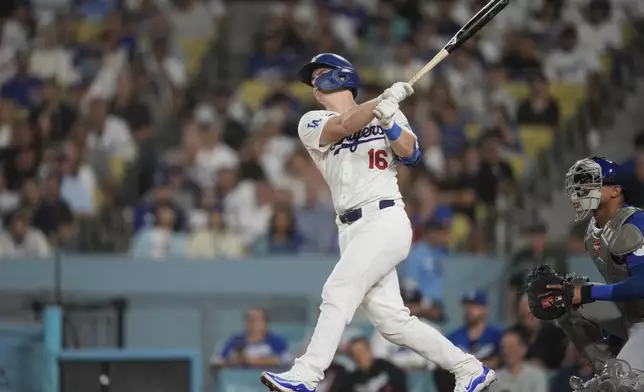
[{"x": 616, "y": 144}]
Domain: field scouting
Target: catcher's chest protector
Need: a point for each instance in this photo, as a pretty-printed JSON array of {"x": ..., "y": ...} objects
[{"x": 613, "y": 268}]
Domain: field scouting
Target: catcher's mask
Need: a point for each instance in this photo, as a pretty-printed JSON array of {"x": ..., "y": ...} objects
[{"x": 584, "y": 182}]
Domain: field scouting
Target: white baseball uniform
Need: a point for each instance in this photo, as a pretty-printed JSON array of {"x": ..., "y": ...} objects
[{"x": 361, "y": 171}]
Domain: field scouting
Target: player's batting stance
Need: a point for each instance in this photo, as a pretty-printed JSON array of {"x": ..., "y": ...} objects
[
  {"x": 615, "y": 243},
  {"x": 357, "y": 156}
]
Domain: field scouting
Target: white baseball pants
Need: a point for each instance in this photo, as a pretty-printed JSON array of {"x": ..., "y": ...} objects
[{"x": 366, "y": 276}]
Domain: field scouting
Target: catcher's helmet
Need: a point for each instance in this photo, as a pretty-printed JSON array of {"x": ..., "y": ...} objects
[
  {"x": 585, "y": 179},
  {"x": 341, "y": 76}
]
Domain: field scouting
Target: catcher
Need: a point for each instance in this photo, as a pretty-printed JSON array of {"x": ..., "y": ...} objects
[{"x": 615, "y": 242}]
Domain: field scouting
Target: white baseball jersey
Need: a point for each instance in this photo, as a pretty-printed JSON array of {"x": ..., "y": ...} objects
[{"x": 360, "y": 168}]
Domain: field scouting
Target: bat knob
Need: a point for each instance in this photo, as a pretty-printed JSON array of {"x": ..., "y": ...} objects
[{"x": 377, "y": 114}]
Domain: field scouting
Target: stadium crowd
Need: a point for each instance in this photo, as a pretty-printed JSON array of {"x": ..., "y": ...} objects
[
  {"x": 88, "y": 90},
  {"x": 108, "y": 146}
]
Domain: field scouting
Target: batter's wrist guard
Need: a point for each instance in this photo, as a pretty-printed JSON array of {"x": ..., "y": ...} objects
[{"x": 394, "y": 132}]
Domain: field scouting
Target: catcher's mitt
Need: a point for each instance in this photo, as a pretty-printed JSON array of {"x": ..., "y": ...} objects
[{"x": 545, "y": 303}]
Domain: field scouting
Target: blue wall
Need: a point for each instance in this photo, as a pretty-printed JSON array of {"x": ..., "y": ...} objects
[{"x": 197, "y": 304}]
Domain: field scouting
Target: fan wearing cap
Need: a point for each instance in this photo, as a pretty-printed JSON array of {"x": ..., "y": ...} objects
[{"x": 478, "y": 336}]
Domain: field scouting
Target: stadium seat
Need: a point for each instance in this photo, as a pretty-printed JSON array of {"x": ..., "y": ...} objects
[
  {"x": 459, "y": 231},
  {"x": 89, "y": 31},
  {"x": 301, "y": 91},
  {"x": 517, "y": 163},
  {"x": 570, "y": 96},
  {"x": 535, "y": 139},
  {"x": 628, "y": 34},
  {"x": 518, "y": 90},
  {"x": 253, "y": 93},
  {"x": 368, "y": 75},
  {"x": 472, "y": 132},
  {"x": 194, "y": 48},
  {"x": 117, "y": 168}
]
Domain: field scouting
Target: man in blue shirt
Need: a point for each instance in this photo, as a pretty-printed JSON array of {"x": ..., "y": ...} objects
[
  {"x": 477, "y": 336},
  {"x": 255, "y": 347},
  {"x": 421, "y": 274},
  {"x": 23, "y": 89}
]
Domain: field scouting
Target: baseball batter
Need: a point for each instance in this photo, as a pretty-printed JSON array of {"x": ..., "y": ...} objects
[{"x": 357, "y": 156}]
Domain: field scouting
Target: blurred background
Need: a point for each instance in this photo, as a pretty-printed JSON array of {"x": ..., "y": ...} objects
[{"x": 163, "y": 228}]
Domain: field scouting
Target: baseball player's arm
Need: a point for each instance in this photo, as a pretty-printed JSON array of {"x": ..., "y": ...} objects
[
  {"x": 628, "y": 244},
  {"x": 348, "y": 122},
  {"x": 397, "y": 130}
]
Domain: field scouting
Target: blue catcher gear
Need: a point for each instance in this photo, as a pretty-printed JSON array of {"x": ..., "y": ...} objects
[
  {"x": 585, "y": 179},
  {"x": 341, "y": 76}
]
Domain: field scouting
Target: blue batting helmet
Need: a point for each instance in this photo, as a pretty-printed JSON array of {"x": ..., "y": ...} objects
[
  {"x": 585, "y": 180},
  {"x": 341, "y": 76}
]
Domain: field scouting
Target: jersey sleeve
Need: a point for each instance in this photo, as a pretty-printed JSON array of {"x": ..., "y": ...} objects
[{"x": 310, "y": 129}]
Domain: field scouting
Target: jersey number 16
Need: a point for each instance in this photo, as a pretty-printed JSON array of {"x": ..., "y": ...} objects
[{"x": 378, "y": 159}]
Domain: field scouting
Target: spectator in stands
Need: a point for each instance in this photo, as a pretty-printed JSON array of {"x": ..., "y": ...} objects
[
  {"x": 7, "y": 61},
  {"x": 78, "y": 187},
  {"x": 213, "y": 155},
  {"x": 315, "y": 221},
  {"x": 539, "y": 250},
  {"x": 430, "y": 144},
  {"x": 598, "y": 31},
  {"x": 425, "y": 194},
  {"x": 50, "y": 60},
  {"x": 110, "y": 230},
  {"x": 447, "y": 26},
  {"x": 7, "y": 114},
  {"x": 22, "y": 88},
  {"x": 521, "y": 58},
  {"x": 493, "y": 95},
  {"x": 540, "y": 108},
  {"x": 570, "y": 63},
  {"x": 501, "y": 122},
  {"x": 636, "y": 182},
  {"x": 422, "y": 271},
  {"x": 193, "y": 19},
  {"x": 546, "y": 342},
  {"x": 458, "y": 190},
  {"x": 546, "y": 23},
  {"x": 495, "y": 175},
  {"x": 478, "y": 337},
  {"x": 270, "y": 60},
  {"x": 452, "y": 128},
  {"x": 53, "y": 118},
  {"x": 127, "y": 106},
  {"x": 465, "y": 77},
  {"x": 168, "y": 72},
  {"x": 30, "y": 198},
  {"x": 110, "y": 134},
  {"x": 214, "y": 240},
  {"x": 277, "y": 147},
  {"x": 165, "y": 193},
  {"x": 9, "y": 200},
  {"x": 18, "y": 29},
  {"x": 228, "y": 112},
  {"x": 638, "y": 145},
  {"x": 53, "y": 216},
  {"x": 518, "y": 375},
  {"x": 282, "y": 237},
  {"x": 377, "y": 374},
  {"x": 404, "y": 66},
  {"x": 160, "y": 242},
  {"x": 580, "y": 368},
  {"x": 22, "y": 241},
  {"x": 256, "y": 347}
]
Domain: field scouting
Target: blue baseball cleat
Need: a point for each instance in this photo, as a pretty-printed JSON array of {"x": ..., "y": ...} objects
[
  {"x": 476, "y": 382},
  {"x": 282, "y": 383}
]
